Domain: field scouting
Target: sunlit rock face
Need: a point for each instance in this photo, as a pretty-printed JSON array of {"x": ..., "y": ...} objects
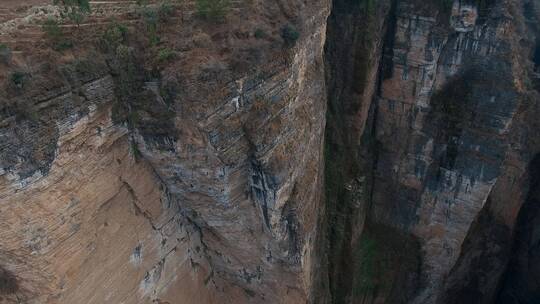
[{"x": 208, "y": 192}]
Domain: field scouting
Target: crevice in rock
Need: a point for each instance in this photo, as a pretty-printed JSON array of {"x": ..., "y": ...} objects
[
  {"x": 357, "y": 34},
  {"x": 8, "y": 282}
]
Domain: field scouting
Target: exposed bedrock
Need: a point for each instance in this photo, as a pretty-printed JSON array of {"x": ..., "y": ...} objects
[
  {"x": 201, "y": 184},
  {"x": 431, "y": 152}
]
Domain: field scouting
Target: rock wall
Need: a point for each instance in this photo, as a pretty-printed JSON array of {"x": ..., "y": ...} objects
[
  {"x": 199, "y": 185},
  {"x": 446, "y": 171},
  {"x": 291, "y": 152}
]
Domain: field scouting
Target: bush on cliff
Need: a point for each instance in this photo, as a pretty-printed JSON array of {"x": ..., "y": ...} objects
[
  {"x": 213, "y": 9},
  {"x": 55, "y": 34},
  {"x": 18, "y": 79},
  {"x": 154, "y": 17},
  {"x": 75, "y": 10},
  {"x": 5, "y": 53},
  {"x": 114, "y": 35},
  {"x": 165, "y": 54},
  {"x": 290, "y": 35}
]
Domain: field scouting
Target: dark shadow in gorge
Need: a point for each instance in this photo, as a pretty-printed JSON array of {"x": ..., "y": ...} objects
[
  {"x": 370, "y": 263},
  {"x": 521, "y": 281},
  {"x": 347, "y": 57}
]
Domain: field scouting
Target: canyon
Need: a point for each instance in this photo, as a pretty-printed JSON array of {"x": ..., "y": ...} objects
[{"x": 287, "y": 151}]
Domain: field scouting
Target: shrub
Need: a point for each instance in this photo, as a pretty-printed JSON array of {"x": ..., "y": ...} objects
[
  {"x": 62, "y": 45},
  {"x": 165, "y": 55},
  {"x": 259, "y": 34},
  {"x": 213, "y": 9},
  {"x": 126, "y": 69},
  {"x": 76, "y": 17},
  {"x": 83, "y": 69},
  {"x": 5, "y": 53},
  {"x": 55, "y": 35},
  {"x": 290, "y": 35},
  {"x": 151, "y": 20},
  {"x": 52, "y": 29},
  {"x": 165, "y": 10},
  {"x": 135, "y": 151},
  {"x": 169, "y": 90},
  {"x": 153, "y": 17},
  {"x": 114, "y": 35},
  {"x": 18, "y": 79},
  {"x": 75, "y": 10},
  {"x": 83, "y": 5}
]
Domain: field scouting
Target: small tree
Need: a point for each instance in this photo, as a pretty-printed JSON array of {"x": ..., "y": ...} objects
[
  {"x": 56, "y": 36},
  {"x": 165, "y": 54},
  {"x": 213, "y": 9},
  {"x": 52, "y": 29},
  {"x": 18, "y": 79},
  {"x": 260, "y": 33},
  {"x": 114, "y": 35},
  {"x": 154, "y": 17},
  {"x": 151, "y": 20},
  {"x": 289, "y": 35},
  {"x": 75, "y": 10},
  {"x": 5, "y": 53}
]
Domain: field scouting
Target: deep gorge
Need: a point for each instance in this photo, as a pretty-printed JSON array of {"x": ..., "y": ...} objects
[{"x": 344, "y": 151}]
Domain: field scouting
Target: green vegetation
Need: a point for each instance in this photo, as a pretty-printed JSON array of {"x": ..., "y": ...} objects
[
  {"x": 134, "y": 149},
  {"x": 18, "y": 79},
  {"x": 75, "y": 10},
  {"x": 55, "y": 34},
  {"x": 52, "y": 29},
  {"x": 151, "y": 21},
  {"x": 155, "y": 16},
  {"x": 290, "y": 35},
  {"x": 126, "y": 69},
  {"x": 351, "y": 262},
  {"x": 165, "y": 54},
  {"x": 214, "y": 10},
  {"x": 385, "y": 264},
  {"x": 83, "y": 5},
  {"x": 260, "y": 34},
  {"x": 165, "y": 10},
  {"x": 5, "y": 53},
  {"x": 114, "y": 35},
  {"x": 366, "y": 266},
  {"x": 83, "y": 69},
  {"x": 168, "y": 91}
]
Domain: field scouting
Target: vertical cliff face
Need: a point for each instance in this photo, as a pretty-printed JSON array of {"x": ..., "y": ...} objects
[
  {"x": 129, "y": 176},
  {"x": 436, "y": 173},
  {"x": 284, "y": 152}
]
